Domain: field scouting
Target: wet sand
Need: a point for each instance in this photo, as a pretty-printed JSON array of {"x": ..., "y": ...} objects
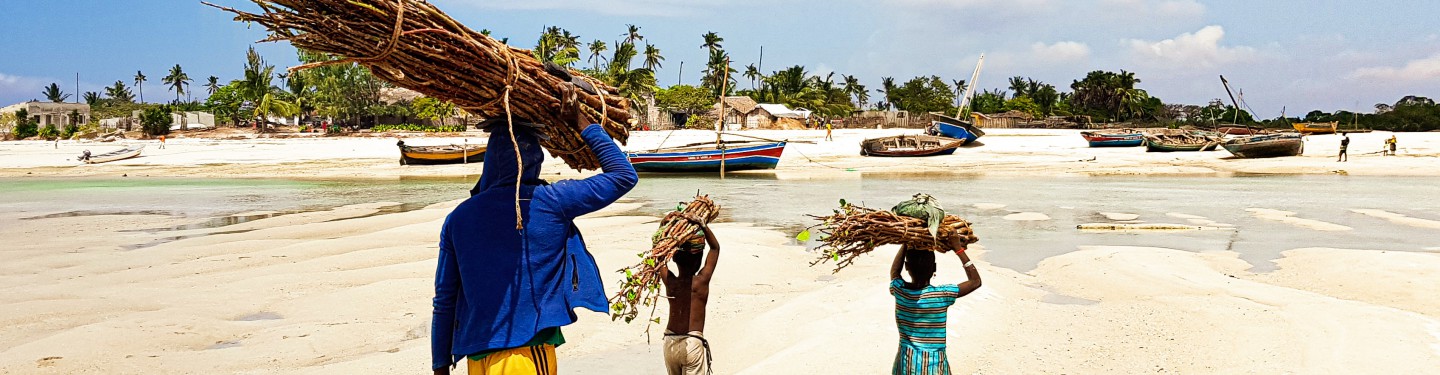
[{"x": 347, "y": 291}]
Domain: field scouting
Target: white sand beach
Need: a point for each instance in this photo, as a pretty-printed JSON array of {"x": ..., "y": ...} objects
[
  {"x": 1020, "y": 152},
  {"x": 347, "y": 289}
]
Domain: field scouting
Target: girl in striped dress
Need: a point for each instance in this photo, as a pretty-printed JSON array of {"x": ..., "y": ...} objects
[{"x": 920, "y": 309}]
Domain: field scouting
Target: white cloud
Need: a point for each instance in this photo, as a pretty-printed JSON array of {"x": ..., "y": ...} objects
[
  {"x": 1190, "y": 50},
  {"x": 14, "y": 89},
  {"x": 1421, "y": 69},
  {"x": 1060, "y": 51}
]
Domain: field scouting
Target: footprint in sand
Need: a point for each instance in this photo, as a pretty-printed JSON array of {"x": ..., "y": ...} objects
[
  {"x": 1289, "y": 218},
  {"x": 1399, "y": 218},
  {"x": 1117, "y": 216},
  {"x": 47, "y": 361},
  {"x": 1027, "y": 216}
]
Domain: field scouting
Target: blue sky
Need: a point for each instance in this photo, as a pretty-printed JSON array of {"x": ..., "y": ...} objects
[{"x": 1317, "y": 54}]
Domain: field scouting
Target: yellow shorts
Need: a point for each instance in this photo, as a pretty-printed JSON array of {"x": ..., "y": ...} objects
[{"x": 526, "y": 360}]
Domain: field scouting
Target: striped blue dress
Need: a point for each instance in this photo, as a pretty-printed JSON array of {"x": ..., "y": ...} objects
[{"x": 920, "y": 315}]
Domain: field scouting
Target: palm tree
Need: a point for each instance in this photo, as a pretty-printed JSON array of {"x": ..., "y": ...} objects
[
  {"x": 712, "y": 41},
  {"x": 257, "y": 89},
  {"x": 852, "y": 86},
  {"x": 212, "y": 85},
  {"x": 92, "y": 98},
  {"x": 597, "y": 49},
  {"x": 177, "y": 80},
  {"x": 887, "y": 88},
  {"x": 54, "y": 94},
  {"x": 652, "y": 57},
  {"x": 119, "y": 93},
  {"x": 632, "y": 34},
  {"x": 140, "y": 85},
  {"x": 752, "y": 73}
]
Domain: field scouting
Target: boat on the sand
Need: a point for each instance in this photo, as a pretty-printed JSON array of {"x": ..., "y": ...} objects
[
  {"x": 1266, "y": 145},
  {"x": 442, "y": 154},
  {"x": 1114, "y": 138},
  {"x": 1191, "y": 141},
  {"x": 707, "y": 157},
  {"x": 121, "y": 154},
  {"x": 1317, "y": 127},
  {"x": 909, "y": 145},
  {"x": 955, "y": 128}
]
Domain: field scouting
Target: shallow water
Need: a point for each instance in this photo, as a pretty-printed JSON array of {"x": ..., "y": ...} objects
[
  {"x": 1071, "y": 201},
  {"x": 1020, "y": 245}
]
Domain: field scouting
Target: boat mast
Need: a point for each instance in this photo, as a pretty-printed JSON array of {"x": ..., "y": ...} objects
[
  {"x": 970, "y": 89},
  {"x": 724, "y": 81},
  {"x": 1232, "y": 98}
]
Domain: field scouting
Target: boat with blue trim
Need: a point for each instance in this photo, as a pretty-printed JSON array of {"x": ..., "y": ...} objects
[
  {"x": 1119, "y": 138},
  {"x": 706, "y": 157}
]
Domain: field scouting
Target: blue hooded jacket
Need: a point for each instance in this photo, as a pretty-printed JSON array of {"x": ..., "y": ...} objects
[{"x": 495, "y": 286}]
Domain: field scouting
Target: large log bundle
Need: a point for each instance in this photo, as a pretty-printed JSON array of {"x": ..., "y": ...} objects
[
  {"x": 641, "y": 286},
  {"x": 414, "y": 45},
  {"x": 853, "y": 231}
]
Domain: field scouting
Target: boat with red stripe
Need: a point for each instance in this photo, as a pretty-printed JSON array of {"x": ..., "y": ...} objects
[{"x": 707, "y": 157}]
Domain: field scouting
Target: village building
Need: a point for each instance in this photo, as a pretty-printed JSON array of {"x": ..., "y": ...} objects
[
  {"x": 741, "y": 112},
  {"x": 57, "y": 114}
]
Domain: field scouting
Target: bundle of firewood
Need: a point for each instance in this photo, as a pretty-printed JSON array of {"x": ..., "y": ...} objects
[
  {"x": 641, "y": 286},
  {"x": 853, "y": 231},
  {"x": 411, "y": 44}
]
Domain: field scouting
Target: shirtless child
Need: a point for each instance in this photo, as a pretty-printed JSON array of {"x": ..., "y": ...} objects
[{"x": 686, "y": 351}]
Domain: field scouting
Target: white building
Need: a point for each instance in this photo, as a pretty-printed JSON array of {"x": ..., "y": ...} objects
[{"x": 47, "y": 113}]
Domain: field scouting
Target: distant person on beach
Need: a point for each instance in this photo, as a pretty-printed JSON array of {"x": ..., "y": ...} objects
[
  {"x": 827, "y": 131},
  {"x": 162, "y": 142},
  {"x": 1344, "y": 145},
  {"x": 502, "y": 289},
  {"x": 921, "y": 309},
  {"x": 686, "y": 351},
  {"x": 1389, "y": 146}
]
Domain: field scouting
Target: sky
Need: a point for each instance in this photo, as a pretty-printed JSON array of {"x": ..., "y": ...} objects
[{"x": 1291, "y": 54}]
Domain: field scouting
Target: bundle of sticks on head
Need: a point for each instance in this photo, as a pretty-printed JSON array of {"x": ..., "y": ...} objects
[
  {"x": 854, "y": 230},
  {"x": 414, "y": 45},
  {"x": 641, "y": 286}
]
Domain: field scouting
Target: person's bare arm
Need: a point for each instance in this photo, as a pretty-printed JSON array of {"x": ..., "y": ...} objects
[
  {"x": 711, "y": 259},
  {"x": 898, "y": 264},
  {"x": 972, "y": 274}
]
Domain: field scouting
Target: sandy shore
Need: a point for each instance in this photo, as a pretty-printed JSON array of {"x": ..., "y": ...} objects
[
  {"x": 1004, "y": 152},
  {"x": 342, "y": 291}
]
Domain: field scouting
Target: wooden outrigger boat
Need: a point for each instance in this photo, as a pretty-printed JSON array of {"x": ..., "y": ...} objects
[
  {"x": 1118, "y": 138},
  {"x": 445, "y": 154},
  {"x": 1266, "y": 145},
  {"x": 1317, "y": 127},
  {"x": 706, "y": 157},
  {"x": 1237, "y": 130},
  {"x": 1182, "y": 142},
  {"x": 909, "y": 145},
  {"x": 121, "y": 154}
]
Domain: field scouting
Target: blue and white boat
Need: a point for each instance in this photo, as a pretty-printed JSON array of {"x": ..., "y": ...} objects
[{"x": 955, "y": 128}]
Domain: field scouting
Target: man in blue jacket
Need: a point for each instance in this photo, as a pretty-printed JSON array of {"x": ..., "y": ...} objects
[{"x": 501, "y": 293}]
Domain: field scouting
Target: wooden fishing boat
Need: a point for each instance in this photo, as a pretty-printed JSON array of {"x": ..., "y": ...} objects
[
  {"x": 121, "y": 154},
  {"x": 956, "y": 128},
  {"x": 444, "y": 154},
  {"x": 706, "y": 157},
  {"x": 1237, "y": 130},
  {"x": 1182, "y": 142},
  {"x": 909, "y": 145},
  {"x": 1317, "y": 127},
  {"x": 1266, "y": 145},
  {"x": 1117, "y": 138}
]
